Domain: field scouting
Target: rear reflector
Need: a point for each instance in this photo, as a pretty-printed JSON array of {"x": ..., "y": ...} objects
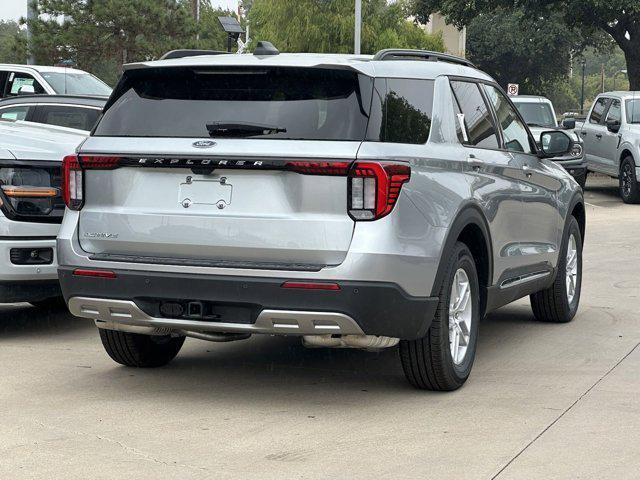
[
  {"x": 82, "y": 272},
  {"x": 311, "y": 285}
]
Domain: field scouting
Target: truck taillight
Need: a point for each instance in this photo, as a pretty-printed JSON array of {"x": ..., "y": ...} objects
[
  {"x": 73, "y": 167},
  {"x": 374, "y": 188}
]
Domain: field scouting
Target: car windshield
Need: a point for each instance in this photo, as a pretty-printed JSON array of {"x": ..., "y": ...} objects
[
  {"x": 76, "y": 83},
  {"x": 536, "y": 114},
  {"x": 633, "y": 110}
]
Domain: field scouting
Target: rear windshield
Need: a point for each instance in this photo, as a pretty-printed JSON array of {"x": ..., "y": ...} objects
[{"x": 274, "y": 102}]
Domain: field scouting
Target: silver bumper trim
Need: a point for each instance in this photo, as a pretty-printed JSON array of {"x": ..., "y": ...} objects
[{"x": 111, "y": 313}]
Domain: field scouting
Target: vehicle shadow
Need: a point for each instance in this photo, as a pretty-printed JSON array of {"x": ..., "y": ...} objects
[
  {"x": 601, "y": 190},
  {"x": 267, "y": 369},
  {"x": 25, "y": 320}
]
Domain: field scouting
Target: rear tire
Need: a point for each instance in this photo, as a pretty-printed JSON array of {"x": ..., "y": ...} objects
[
  {"x": 143, "y": 351},
  {"x": 428, "y": 362},
  {"x": 559, "y": 303},
  {"x": 629, "y": 189}
]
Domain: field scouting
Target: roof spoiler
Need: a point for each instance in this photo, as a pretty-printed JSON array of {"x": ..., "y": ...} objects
[{"x": 425, "y": 55}]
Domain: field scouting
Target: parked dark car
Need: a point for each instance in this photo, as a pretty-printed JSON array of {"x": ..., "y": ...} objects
[{"x": 70, "y": 111}]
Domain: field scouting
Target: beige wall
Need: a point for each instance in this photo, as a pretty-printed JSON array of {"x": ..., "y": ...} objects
[{"x": 455, "y": 41}]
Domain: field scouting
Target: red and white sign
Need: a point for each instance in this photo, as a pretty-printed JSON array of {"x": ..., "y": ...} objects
[{"x": 513, "y": 89}]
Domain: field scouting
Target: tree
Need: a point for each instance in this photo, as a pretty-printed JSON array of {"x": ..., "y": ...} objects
[
  {"x": 13, "y": 43},
  {"x": 212, "y": 36},
  {"x": 514, "y": 48},
  {"x": 618, "y": 18},
  {"x": 101, "y": 35},
  {"x": 328, "y": 26}
]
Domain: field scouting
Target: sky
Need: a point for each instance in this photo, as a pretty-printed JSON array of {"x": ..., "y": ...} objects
[{"x": 14, "y": 9}]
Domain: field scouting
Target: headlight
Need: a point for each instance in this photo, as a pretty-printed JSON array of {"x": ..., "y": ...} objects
[
  {"x": 577, "y": 150},
  {"x": 28, "y": 192}
]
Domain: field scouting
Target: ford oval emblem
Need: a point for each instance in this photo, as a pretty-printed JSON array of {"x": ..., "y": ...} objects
[{"x": 204, "y": 144}]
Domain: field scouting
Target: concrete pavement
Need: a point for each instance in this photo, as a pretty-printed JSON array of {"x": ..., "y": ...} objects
[{"x": 543, "y": 401}]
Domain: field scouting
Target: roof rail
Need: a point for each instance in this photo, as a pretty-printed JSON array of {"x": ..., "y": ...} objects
[
  {"x": 404, "y": 54},
  {"x": 189, "y": 53}
]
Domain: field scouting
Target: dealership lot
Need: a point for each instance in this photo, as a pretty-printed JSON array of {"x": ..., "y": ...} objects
[{"x": 543, "y": 401}]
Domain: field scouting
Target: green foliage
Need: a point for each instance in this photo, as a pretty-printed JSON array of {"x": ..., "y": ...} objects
[
  {"x": 328, "y": 26},
  {"x": 515, "y": 48},
  {"x": 212, "y": 36},
  {"x": 13, "y": 43},
  {"x": 101, "y": 35},
  {"x": 619, "y": 18}
]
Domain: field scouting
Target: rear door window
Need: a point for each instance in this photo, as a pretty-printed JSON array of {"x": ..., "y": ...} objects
[
  {"x": 401, "y": 111},
  {"x": 479, "y": 129},
  {"x": 80, "y": 118},
  {"x": 598, "y": 110},
  {"x": 19, "y": 112}
]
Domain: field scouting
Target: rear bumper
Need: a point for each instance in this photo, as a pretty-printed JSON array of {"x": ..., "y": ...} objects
[{"x": 248, "y": 304}]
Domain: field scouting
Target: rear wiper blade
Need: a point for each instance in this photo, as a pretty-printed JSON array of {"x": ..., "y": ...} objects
[{"x": 237, "y": 129}]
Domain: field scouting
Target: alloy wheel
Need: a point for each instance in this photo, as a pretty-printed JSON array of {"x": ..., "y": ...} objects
[
  {"x": 627, "y": 179},
  {"x": 571, "y": 268},
  {"x": 460, "y": 316}
]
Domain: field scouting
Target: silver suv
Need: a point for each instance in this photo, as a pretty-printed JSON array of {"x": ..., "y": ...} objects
[{"x": 353, "y": 201}]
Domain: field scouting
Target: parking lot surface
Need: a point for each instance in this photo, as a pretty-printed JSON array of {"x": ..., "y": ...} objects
[{"x": 543, "y": 401}]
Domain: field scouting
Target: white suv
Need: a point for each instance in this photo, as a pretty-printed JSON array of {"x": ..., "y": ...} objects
[{"x": 29, "y": 79}]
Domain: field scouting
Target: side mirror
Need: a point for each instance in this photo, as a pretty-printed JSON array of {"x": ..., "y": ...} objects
[
  {"x": 569, "y": 123},
  {"x": 613, "y": 126},
  {"x": 555, "y": 143},
  {"x": 26, "y": 90}
]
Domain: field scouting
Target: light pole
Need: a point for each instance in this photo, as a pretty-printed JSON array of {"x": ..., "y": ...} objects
[
  {"x": 584, "y": 68},
  {"x": 32, "y": 16},
  {"x": 623, "y": 71},
  {"x": 358, "y": 30}
]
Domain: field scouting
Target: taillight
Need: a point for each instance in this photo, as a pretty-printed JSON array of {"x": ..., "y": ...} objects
[
  {"x": 73, "y": 176},
  {"x": 374, "y": 188},
  {"x": 318, "y": 167}
]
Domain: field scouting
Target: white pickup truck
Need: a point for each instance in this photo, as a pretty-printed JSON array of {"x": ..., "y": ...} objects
[
  {"x": 31, "y": 208},
  {"x": 611, "y": 135},
  {"x": 540, "y": 116}
]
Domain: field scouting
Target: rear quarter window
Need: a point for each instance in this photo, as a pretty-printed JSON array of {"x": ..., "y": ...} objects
[{"x": 401, "y": 111}]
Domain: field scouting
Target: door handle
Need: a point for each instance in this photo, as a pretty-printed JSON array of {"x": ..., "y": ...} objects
[
  {"x": 584, "y": 134},
  {"x": 475, "y": 162},
  {"x": 527, "y": 170},
  {"x": 599, "y": 136}
]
